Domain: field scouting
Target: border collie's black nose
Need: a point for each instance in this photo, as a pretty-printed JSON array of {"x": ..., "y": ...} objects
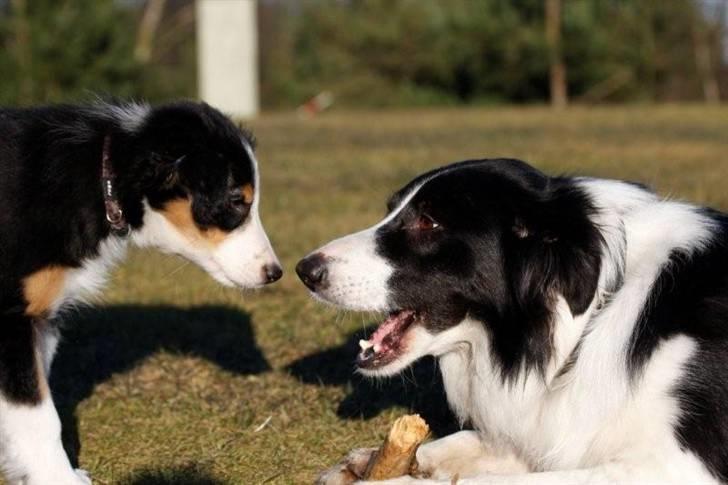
[
  {"x": 312, "y": 271},
  {"x": 273, "y": 272}
]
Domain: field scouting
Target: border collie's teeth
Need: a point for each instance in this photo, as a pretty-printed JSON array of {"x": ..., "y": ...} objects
[
  {"x": 377, "y": 348},
  {"x": 365, "y": 344}
]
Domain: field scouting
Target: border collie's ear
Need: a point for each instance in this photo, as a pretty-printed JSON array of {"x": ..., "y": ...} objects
[
  {"x": 520, "y": 230},
  {"x": 559, "y": 252},
  {"x": 549, "y": 237},
  {"x": 523, "y": 230}
]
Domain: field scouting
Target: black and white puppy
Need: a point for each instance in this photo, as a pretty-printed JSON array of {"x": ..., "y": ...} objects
[
  {"x": 78, "y": 184},
  {"x": 581, "y": 325}
]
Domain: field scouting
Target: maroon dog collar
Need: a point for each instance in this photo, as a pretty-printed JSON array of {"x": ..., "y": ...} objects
[{"x": 114, "y": 212}]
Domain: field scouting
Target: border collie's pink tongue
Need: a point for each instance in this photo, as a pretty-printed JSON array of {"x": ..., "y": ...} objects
[{"x": 386, "y": 339}]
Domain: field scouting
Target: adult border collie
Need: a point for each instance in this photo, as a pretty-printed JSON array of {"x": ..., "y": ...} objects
[
  {"x": 581, "y": 325},
  {"x": 78, "y": 184}
]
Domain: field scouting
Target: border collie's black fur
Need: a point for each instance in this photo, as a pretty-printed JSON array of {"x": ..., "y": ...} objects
[
  {"x": 690, "y": 297},
  {"x": 551, "y": 243},
  {"x": 581, "y": 325},
  {"x": 184, "y": 180}
]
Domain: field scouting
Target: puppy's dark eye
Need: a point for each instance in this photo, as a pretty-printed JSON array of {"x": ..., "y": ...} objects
[
  {"x": 238, "y": 203},
  {"x": 425, "y": 223}
]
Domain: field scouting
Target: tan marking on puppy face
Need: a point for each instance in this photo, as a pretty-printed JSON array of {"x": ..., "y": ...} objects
[
  {"x": 179, "y": 213},
  {"x": 248, "y": 193},
  {"x": 42, "y": 288}
]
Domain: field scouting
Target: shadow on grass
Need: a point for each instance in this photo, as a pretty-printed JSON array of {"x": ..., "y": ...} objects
[
  {"x": 418, "y": 389},
  {"x": 187, "y": 475},
  {"x": 103, "y": 341}
]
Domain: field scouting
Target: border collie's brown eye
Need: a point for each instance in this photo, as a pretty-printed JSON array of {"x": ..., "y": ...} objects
[{"x": 425, "y": 223}]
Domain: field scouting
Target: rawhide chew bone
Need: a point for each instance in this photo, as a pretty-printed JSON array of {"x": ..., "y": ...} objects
[{"x": 397, "y": 454}]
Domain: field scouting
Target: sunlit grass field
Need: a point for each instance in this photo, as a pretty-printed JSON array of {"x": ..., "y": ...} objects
[{"x": 174, "y": 380}]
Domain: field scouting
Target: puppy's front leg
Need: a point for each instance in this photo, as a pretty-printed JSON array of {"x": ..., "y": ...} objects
[
  {"x": 464, "y": 454},
  {"x": 31, "y": 452}
]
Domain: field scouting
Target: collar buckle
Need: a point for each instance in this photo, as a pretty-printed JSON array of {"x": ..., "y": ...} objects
[{"x": 114, "y": 212}]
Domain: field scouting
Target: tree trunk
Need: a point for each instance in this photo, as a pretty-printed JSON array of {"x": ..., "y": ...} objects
[
  {"x": 147, "y": 29},
  {"x": 557, "y": 69},
  {"x": 22, "y": 51},
  {"x": 704, "y": 62}
]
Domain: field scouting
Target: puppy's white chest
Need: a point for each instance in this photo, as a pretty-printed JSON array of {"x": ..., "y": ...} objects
[{"x": 89, "y": 279}]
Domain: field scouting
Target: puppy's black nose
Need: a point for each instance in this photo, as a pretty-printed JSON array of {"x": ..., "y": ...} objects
[
  {"x": 272, "y": 272},
  {"x": 312, "y": 271}
]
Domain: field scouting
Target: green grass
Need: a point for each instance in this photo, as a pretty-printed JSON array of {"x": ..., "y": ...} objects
[{"x": 171, "y": 380}]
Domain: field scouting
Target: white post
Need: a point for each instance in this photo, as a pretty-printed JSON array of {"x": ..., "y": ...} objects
[{"x": 227, "y": 55}]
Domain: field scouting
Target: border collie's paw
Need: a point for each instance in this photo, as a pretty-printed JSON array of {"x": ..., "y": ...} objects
[
  {"x": 64, "y": 477},
  {"x": 405, "y": 480},
  {"x": 349, "y": 470},
  {"x": 83, "y": 477}
]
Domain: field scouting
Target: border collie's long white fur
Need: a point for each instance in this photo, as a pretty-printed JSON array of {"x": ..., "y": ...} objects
[{"x": 590, "y": 414}]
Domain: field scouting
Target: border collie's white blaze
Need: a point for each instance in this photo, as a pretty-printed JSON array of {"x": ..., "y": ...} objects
[
  {"x": 581, "y": 325},
  {"x": 179, "y": 177},
  {"x": 353, "y": 271}
]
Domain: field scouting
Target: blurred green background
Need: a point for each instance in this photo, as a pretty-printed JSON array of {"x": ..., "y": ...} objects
[{"x": 376, "y": 52}]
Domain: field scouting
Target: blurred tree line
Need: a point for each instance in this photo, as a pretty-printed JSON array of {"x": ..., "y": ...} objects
[
  {"x": 58, "y": 50},
  {"x": 377, "y": 52},
  {"x": 384, "y": 52}
]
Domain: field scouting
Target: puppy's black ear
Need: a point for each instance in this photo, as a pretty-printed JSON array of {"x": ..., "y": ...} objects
[
  {"x": 179, "y": 161},
  {"x": 167, "y": 170}
]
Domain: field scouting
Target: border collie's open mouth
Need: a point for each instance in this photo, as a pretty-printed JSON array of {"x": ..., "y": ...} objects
[{"x": 387, "y": 342}]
